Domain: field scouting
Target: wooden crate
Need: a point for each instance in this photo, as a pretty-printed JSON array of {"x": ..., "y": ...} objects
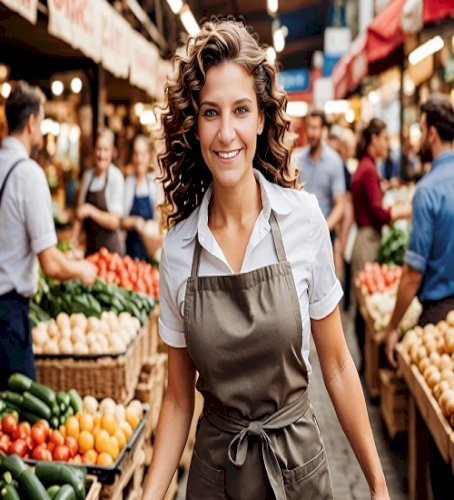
[
  {"x": 393, "y": 402},
  {"x": 95, "y": 488}
]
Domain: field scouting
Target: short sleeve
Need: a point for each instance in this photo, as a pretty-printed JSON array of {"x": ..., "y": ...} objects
[
  {"x": 171, "y": 322},
  {"x": 115, "y": 192},
  {"x": 38, "y": 212},
  {"x": 325, "y": 291},
  {"x": 338, "y": 178},
  {"x": 422, "y": 233}
]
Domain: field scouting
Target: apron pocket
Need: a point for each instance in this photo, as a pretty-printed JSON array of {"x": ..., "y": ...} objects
[
  {"x": 204, "y": 482},
  {"x": 310, "y": 480}
]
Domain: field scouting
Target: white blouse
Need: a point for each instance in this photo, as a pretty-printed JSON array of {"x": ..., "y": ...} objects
[{"x": 307, "y": 244}]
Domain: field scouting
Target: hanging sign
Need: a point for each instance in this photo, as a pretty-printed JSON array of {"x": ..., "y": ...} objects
[
  {"x": 144, "y": 64},
  {"x": 26, "y": 8}
]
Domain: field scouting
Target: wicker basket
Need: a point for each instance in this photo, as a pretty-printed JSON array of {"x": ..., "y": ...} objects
[{"x": 113, "y": 377}]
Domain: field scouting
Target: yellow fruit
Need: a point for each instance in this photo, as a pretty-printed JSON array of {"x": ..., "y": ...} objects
[
  {"x": 89, "y": 457},
  {"x": 127, "y": 429},
  {"x": 72, "y": 427},
  {"x": 97, "y": 419},
  {"x": 86, "y": 441},
  {"x": 113, "y": 449},
  {"x": 121, "y": 438},
  {"x": 109, "y": 423},
  {"x": 102, "y": 441},
  {"x": 86, "y": 422},
  {"x": 104, "y": 459},
  {"x": 62, "y": 430},
  {"x": 132, "y": 418}
]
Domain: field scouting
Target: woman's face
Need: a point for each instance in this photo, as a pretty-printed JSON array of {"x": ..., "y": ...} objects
[
  {"x": 228, "y": 123},
  {"x": 140, "y": 157},
  {"x": 381, "y": 144},
  {"x": 103, "y": 153}
]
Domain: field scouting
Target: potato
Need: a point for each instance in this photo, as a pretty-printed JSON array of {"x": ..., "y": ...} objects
[
  {"x": 51, "y": 347},
  {"x": 447, "y": 402},
  {"x": 445, "y": 362},
  {"x": 434, "y": 358},
  {"x": 65, "y": 346},
  {"x": 442, "y": 326},
  {"x": 39, "y": 336},
  {"x": 77, "y": 335},
  {"x": 80, "y": 348},
  {"x": 423, "y": 364},
  {"x": 433, "y": 379},
  {"x": 52, "y": 329},
  {"x": 450, "y": 318},
  {"x": 449, "y": 341},
  {"x": 92, "y": 324}
]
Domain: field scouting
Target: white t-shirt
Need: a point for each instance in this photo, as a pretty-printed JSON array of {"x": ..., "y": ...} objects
[
  {"x": 306, "y": 241},
  {"x": 114, "y": 190},
  {"x": 26, "y": 221},
  {"x": 149, "y": 188}
]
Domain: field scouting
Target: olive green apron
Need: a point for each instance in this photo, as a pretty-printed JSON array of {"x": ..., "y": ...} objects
[{"x": 257, "y": 437}]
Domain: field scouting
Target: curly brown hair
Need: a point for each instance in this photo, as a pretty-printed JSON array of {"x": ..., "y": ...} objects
[{"x": 185, "y": 175}]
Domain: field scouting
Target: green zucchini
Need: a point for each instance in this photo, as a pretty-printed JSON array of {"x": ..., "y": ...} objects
[
  {"x": 34, "y": 405},
  {"x": 7, "y": 477},
  {"x": 66, "y": 492},
  {"x": 54, "y": 422},
  {"x": 14, "y": 464},
  {"x": 19, "y": 383},
  {"x": 2, "y": 405},
  {"x": 55, "y": 409},
  {"x": 53, "y": 490},
  {"x": 43, "y": 392},
  {"x": 57, "y": 473},
  {"x": 13, "y": 398},
  {"x": 32, "y": 486},
  {"x": 9, "y": 492},
  {"x": 63, "y": 398},
  {"x": 76, "y": 401}
]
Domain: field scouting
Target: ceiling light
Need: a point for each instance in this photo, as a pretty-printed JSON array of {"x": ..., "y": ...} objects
[
  {"x": 76, "y": 85},
  {"x": 297, "y": 108},
  {"x": 175, "y": 5},
  {"x": 426, "y": 49},
  {"x": 271, "y": 55},
  {"x": 272, "y": 6},
  {"x": 6, "y": 90},
  {"x": 374, "y": 97},
  {"x": 57, "y": 88},
  {"x": 188, "y": 21},
  {"x": 3, "y": 72},
  {"x": 336, "y": 107},
  {"x": 350, "y": 116},
  {"x": 49, "y": 126},
  {"x": 278, "y": 40}
]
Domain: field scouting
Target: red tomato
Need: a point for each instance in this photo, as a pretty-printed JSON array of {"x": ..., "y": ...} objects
[
  {"x": 56, "y": 438},
  {"x": 29, "y": 443},
  {"x": 61, "y": 453},
  {"x": 38, "y": 434},
  {"x": 45, "y": 425},
  {"x": 50, "y": 447},
  {"x": 17, "y": 447},
  {"x": 73, "y": 445},
  {"x": 103, "y": 252},
  {"x": 41, "y": 453},
  {"x": 5, "y": 441},
  {"x": 22, "y": 430},
  {"x": 9, "y": 424}
]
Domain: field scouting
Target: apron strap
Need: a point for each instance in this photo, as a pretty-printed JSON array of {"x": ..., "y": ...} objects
[
  {"x": 10, "y": 171},
  {"x": 277, "y": 238},
  {"x": 196, "y": 257}
]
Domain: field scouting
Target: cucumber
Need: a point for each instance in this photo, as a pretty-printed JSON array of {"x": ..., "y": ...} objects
[
  {"x": 9, "y": 492},
  {"x": 55, "y": 409},
  {"x": 42, "y": 392},
  {"x": 7, "y": 477},
  {"x": 76, "y": 401},
  {"x": 13, "y": 398},
  {"x": 63, "y": 398},
  {"x": 34, "y": 405},
  {"x": 2, "y": 405},
  {"x": 14, "y": 464},
  {"x": 66, "y": 492},
  {"x": 69, "y": 412},
  {"x": 58, "y": 473},
  {"x": 54, "y": 422},
  {"x": 19, "y": 383},
  {"x": 32, "y": 486},
  {"x": 53, "y": 490}
]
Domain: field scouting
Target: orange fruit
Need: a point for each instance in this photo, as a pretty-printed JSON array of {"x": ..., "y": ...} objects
[
  {"x": 102, "y": 441},
  {"x": 86, "y": 441},
  {"x": 86, "y": 422},
  {"x": 120, "y": 437},
  {"x": 72, "y": 427},
  {"x": 127, "y": 429},
  {"x": 104, "y": 459},
  {"x": 62, "y": 430},
  {"x": 97, "y": 419},
  {"x": 89, "y": 457},
  {"x": 132, "y": 417},
  {"x": 113, "y": 449},
  {"x": 109, "y": 423}
]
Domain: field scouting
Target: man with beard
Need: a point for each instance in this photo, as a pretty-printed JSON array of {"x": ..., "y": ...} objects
[
  {"x": 429, "y": 265},
  {"x": 321, "y": 171},
  {"x": 27, "y": 230}
]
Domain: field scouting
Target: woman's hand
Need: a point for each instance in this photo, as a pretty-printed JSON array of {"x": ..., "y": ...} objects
[
  {"x": 84, "y": 211},
  {"x": 139, "y": 224}
]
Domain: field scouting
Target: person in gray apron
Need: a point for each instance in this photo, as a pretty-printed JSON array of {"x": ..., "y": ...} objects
[
  {"x": 236, "y": 296},
  {"x": 100, "y": 204}
]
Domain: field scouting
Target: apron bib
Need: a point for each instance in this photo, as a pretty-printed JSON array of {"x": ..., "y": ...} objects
[
  {"x": 142, "y": 207},
  {"x": 258, "y": 437},
  {"x": 96, "y": 236}
]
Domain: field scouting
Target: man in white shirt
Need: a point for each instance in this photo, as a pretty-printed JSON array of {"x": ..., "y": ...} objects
[{"x": 27, "y": 230}]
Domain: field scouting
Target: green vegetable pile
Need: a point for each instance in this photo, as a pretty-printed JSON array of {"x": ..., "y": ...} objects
[{"x": 393, "y": 247}]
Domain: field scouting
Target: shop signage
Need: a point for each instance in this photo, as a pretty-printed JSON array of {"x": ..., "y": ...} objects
[
  {"x": 26, "y": 8},
  {"x": 449, "y": 71},
  {"x": 78, "y": 23},
  {"x": 116, "y": 35},
  {"x": 144, "y": 60},
  {"x": 294, "y": 80}
]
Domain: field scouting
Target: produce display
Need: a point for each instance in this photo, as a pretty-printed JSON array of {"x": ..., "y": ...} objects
[
  {"x": 393, "y": 247},
  {"x": 431, "y": 349},
  {"x": 132, "y": 274},
  {"x": 70, "y": 297},
  {"x": 95, "y": 434},
  {"x": 79, "y": 335},
  {"x": 44, "y": 482},
  {"x": 378, "y": 278}
]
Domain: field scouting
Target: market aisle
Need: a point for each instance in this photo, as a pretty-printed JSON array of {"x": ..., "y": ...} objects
[{"x": 348, "y": 480}]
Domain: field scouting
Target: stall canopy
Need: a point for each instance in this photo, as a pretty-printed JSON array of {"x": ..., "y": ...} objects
[{"x": 380, "y": 45}]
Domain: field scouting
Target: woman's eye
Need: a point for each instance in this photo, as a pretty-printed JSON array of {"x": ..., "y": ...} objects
[
  {"x": 210, "y": 113},
  {"x": 242, "y": 110}
]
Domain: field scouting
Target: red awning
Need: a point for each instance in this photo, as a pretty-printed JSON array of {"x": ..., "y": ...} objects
[{"x": 434, "y": 10}]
